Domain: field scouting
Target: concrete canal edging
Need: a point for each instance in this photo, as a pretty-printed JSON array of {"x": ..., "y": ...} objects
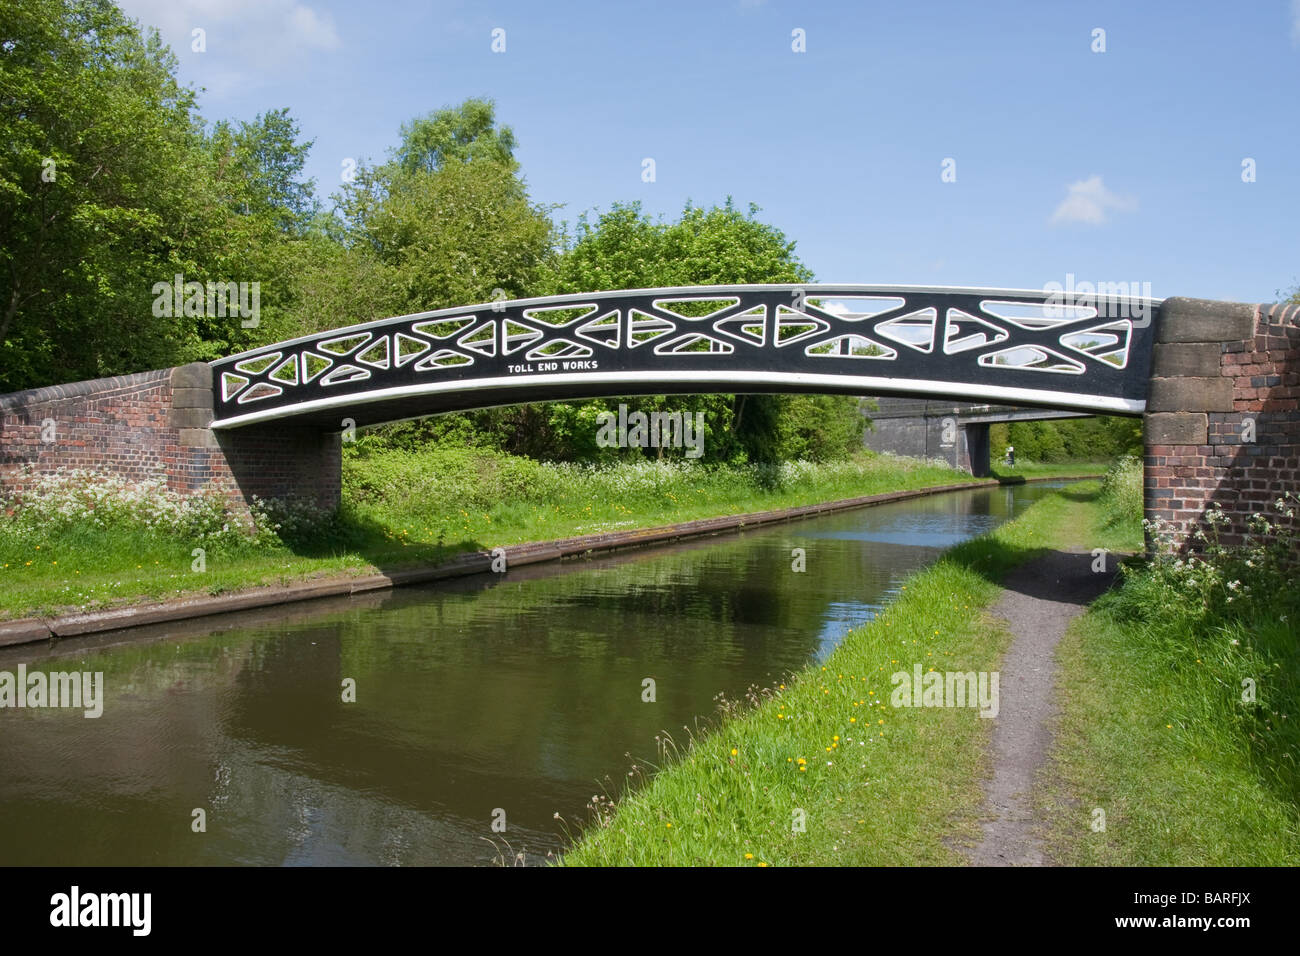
[{"x": 34, "y": 630}]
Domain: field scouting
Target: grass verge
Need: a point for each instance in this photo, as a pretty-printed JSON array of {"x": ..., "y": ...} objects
[
  {"x": 1159, "y": 730},
  {"x": 871, "y": 784}
]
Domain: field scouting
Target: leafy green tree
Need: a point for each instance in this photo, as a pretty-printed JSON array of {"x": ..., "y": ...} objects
[
  {"x": 445, "y": 221},
  {"x": 99, "y": 148},
  {"x": 625, "y": 249},
  {"x": 257, "y": 210},
  {"x": 110, "y": 184},
  {"x": 259, "y": 166},
  {"x": 816, "y": 428},
  {"x": 455, "y": 236},
  {"x": 461, "y": 134},
  {"x": 1100, "y": 438}
]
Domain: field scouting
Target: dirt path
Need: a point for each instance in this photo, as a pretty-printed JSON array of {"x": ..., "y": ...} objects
[{"x": 1038, "y": 602}]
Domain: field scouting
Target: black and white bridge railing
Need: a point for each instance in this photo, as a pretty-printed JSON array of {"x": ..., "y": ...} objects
[{"x": 1013, "y": 346}]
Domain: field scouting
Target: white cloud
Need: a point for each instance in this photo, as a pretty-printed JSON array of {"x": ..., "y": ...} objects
[
  {"x": 312, "y": 29},
  {"x": 1089, "y": 201},
  {"x": 246, "y": 39}
]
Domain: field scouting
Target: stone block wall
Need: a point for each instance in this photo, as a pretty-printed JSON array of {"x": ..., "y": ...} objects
[{"x": 1223, "y": 414}]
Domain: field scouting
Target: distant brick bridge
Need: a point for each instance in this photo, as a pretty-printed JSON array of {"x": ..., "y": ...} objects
[{"x": 1217, "y": 383}]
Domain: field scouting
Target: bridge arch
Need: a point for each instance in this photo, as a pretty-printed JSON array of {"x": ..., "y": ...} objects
[{"x": 1010, "y": 346}]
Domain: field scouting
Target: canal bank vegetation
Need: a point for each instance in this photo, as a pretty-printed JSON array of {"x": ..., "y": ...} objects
[
  {"x": 1180, "y": 695},
  {"x": 82, "y": 541},
  {"x": 460, "y": 494},
  {"x": 824, "y": 771}
]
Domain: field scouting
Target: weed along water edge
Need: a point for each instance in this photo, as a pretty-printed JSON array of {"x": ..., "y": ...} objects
[{"x": 311, "y": 734}]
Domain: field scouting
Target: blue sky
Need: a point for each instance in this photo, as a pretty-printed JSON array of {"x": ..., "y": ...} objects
[{"x": 1115, "y": 166}]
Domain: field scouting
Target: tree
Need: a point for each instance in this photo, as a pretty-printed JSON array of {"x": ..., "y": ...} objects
[
  {"x": 260, "y": 166},
  {"x": 460, "y": 134},
  {"x": 1099, "y": 438},
  {"x": 446, "y": 220},
  {"x": 100, "y": 144},
  {"x": 110, "y": 185},
  {"x": 624, "y": 249},
  {"x": 457, "y": 235},
  {"x": 817, "y": 428}
]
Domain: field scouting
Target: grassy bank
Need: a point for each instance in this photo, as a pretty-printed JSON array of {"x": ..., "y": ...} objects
[
  {"x": 88, "y": 543},
  {"x": 874, "y": 784},
  {"x": 1033, "y": 469},
  {"x": 1158, "y": 729}
]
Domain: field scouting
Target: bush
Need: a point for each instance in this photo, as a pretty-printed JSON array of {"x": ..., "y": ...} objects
[
  {"x": 1121, "y": 493},
  {"x": 79, "y": 503},
  {"x": 1225, "y": 622},
  {"x": 78, "y": 500}
]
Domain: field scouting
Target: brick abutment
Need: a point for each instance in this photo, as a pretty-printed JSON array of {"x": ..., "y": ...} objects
[
  {"x": 155, "y": 425},
  {"x": 1223, "y": 414}
]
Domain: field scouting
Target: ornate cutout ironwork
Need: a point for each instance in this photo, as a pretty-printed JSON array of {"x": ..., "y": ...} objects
[{"x": 965, "y": 343}]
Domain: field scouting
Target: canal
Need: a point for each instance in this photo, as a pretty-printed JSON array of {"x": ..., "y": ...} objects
[{"x": 512, "y": 698}]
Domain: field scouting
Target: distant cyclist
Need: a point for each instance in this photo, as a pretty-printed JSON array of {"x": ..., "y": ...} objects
[{"x": 1011, "y": 456}]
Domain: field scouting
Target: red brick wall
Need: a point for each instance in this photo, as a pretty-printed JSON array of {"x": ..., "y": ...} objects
[
  {"x": 1197, "y": 453},
  {"x": 128, "y": 426},
  {"x": 119, "y": 425}
]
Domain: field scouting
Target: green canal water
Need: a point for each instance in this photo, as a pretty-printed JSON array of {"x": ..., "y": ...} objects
[{"x": 509, "y": 698}]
